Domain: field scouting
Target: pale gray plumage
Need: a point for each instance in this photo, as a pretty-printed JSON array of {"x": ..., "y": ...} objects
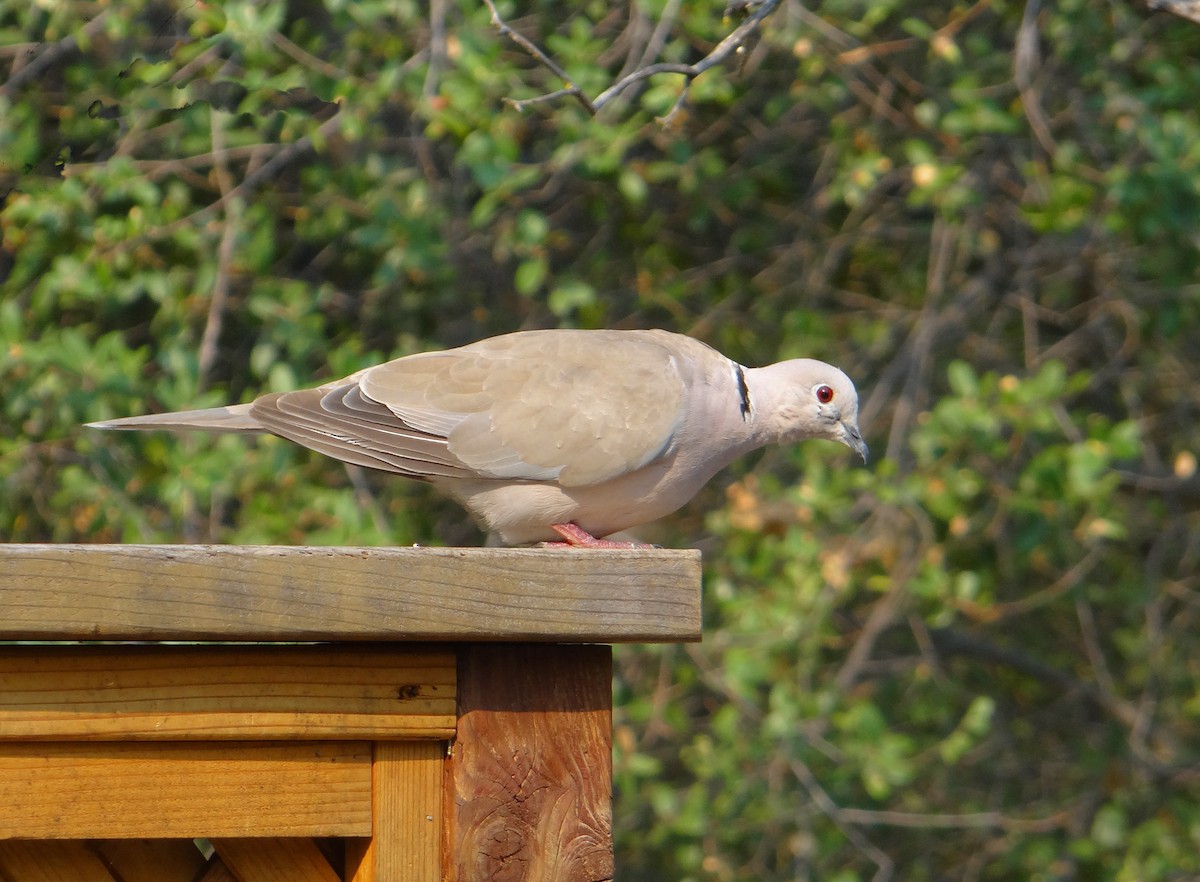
[{"x": 601, "y": 429}]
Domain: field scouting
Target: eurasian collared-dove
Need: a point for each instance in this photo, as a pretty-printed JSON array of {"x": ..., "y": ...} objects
[{"x": 557, "y": 434}]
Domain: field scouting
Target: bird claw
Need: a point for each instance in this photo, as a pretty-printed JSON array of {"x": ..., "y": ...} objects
[{"x": 575, "y": 536}]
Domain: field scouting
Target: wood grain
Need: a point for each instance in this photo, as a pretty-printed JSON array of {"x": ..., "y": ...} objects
[
  {"x": 530, "y": 777},
  {"x": 217, "y": 872},
  {"x": 225, "y": 692},
  {"x": 157, "y": 790},
  {"x": 51, "y": 862},
  {"x": 275, "y": 860},
  {"x": 151, "y": 860},
  {"x": 261, "y": 593},
  {"x": 407, "y": 840}
]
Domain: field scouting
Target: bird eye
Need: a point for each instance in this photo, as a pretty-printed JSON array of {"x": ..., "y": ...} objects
[{"x": 824, "y": 394}]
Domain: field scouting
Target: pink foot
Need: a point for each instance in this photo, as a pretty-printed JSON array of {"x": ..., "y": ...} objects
[{"x": 575, "y": 536}]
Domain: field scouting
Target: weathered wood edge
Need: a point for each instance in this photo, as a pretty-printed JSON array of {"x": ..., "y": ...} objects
[{"x": 282, "y": 593}]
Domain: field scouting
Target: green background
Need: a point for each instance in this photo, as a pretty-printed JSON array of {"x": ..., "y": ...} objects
[{"x": 977, "y": 658}]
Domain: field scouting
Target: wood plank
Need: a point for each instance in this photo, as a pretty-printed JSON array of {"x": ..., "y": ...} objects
[
  {"x": 530, "y": 777},
  {"x": 259, "y": 593},
  {"x": 407, "y": 840},
  {"x": 51, "y": 862},
  {"x": 334, "y": 849},
  {"x": 158, "y": 790},
  {"x": 225, "y": 692},
  {"x": 217, "y": 872},
  {"x": 275, "y": 860},
  {"x": 151, "y": 860}
]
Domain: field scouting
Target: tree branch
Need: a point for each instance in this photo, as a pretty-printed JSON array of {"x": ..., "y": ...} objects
[
  {"x": 755, "y": 14},
  {"x": 50, "y": 55},
  {"x": 1025, "y": 63},
  {"x": 884, "y": 865},
  {"x": 723, "y": 50},
  {"x": 959, "y": 821},
  {"x": 1168, "y": 754},
  {"x": 545, "y": 60},
  {"x": 437, "y": 48},
  {"x": 286, "y": 155},
  {"x": 225, "y": 250}
]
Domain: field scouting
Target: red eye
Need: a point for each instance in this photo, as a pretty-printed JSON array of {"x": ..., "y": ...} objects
[{"x": 824, "y": 394}]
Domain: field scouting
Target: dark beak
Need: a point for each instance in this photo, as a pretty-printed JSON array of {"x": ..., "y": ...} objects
[{"x": 853, "y": 439}]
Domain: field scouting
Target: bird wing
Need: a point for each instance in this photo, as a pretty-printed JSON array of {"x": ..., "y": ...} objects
[{"x": 574, "y": 407}]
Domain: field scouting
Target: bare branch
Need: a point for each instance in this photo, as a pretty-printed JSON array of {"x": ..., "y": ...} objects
[
  {"x": 722, "y": 51},
  {"x": 735, "y": 41},
  {"x": 437, "y": 47},
  {"x": 884, "y": 865},
  {"x": 229, "y": 231},
  {"x": 960, "y": 821},
  {"x": 50, "y": 55},
  {"x": 548, "y": 62},
  {"x": 521, "y": 104},
  {"x": 668, "y": 119},
  {"x": 1037, "y": 599},
  {"x": 1167, "y": 753},
  {"x": 661, "y": 31},
  {"x": 883, "y": 615},
  {"x": 1027, "y": 60},
  {"x": 288, "y": 154},
  {"x": 287, "y": 47}
]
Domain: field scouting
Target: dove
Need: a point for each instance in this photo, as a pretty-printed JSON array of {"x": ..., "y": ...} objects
[{"x": 556, "y": 436}]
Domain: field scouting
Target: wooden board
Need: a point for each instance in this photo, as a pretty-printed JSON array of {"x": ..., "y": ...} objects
[
  {"x": 217, "y": 872},
  {"x": 158, "y": 790},
  {"x": 407, "y": 841},
  {"x": 529, "y": 780},
  {"x": 151, "y": 860},
  {"x": 260, "y": 593},
  {"x": 275, "y": 860},
  {"x": 51, "y": 862},
  {"x": 225, "y": 692}
]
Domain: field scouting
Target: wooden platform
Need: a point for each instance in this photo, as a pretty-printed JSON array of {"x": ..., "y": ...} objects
[{"x": 328, "y": 714}]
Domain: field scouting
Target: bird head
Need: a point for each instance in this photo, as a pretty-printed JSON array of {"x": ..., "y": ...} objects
[{"x": 811, "y": 399}]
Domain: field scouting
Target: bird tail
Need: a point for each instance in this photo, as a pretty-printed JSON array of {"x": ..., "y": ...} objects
[{"x": 234, "y": 418}]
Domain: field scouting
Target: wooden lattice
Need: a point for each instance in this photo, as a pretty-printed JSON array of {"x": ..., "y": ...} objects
[{"x": 174, "y": 860}]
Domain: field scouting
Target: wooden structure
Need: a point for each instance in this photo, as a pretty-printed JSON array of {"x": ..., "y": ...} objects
[{"x": 317, "y": 714}]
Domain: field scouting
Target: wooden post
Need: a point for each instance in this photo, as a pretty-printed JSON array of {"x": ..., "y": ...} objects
[
  {"x": 530, "y": 778},
  {"x": 448, "y": 715}
]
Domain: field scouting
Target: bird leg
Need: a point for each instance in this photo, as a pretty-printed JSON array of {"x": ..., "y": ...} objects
[{"x": 575, "y": 536}]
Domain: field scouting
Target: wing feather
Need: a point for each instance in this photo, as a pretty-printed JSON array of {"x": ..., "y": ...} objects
[
  {"x": 300, "y": 417},
  {"x": 574, "y": 407},
  {"x": 579, "y": 407}
]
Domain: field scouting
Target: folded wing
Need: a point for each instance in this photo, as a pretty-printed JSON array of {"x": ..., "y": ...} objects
[{"x": 573, "y": 407}]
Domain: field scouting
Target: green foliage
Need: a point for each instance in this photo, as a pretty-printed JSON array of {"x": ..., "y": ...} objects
[
  {"x": 912, "y": 662},
  {"x": 975, "y": 659}
]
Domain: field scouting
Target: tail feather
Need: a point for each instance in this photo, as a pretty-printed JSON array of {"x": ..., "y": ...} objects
[{"x": 235, "y": 418}]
